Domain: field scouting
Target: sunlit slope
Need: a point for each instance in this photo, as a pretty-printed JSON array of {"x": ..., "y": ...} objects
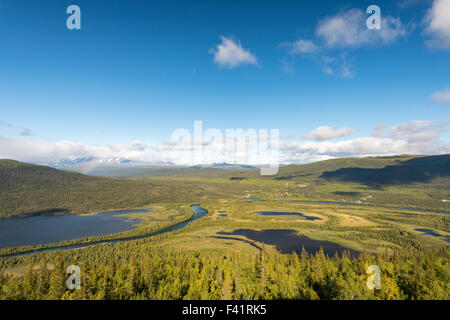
[
  {"x": 372, "y": 171},
  {"x": 417, "y": 181}
]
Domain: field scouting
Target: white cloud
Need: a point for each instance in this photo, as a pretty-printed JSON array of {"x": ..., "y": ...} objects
[
  {"x": 348, "y": 30},
  {"x": 328, "y": 133},
  {"x": 416, "y": 137},
  {"x": 32, "y": 150},
  {"x": 438, "y": 24},
  {"x": 287, "y": 67},
  {"x": 334, "y": 66},
  {"x": 328, "y": 70},
  {"x": 338, "y": 67},
  {"x": 230, "y": 54},
  {"x": 379, "y": 130},
  {"x": 363, "y": 146},
  {"x": 300, "y": 46},
  {"x": 343, "y": 31},
  {"x": 442, "y": 97},
  {"x": 346, "y": 72},
  {"x": 418, "y": 131},
  {"x": 36, "y": 150},
  {"x": 420, "y": 136}
]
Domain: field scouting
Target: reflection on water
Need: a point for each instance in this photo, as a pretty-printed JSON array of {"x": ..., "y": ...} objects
[
  {"x": 36, "y": 230},
  {"x": 432, "y": 233},
  {"x": 288, "y": 241},
  {"x": 199, "y": 212}
]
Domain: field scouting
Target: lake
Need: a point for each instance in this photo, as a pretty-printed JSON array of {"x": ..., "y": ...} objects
[
  {"x": 35, "y": 230},
  {"x": 289, "y": 241},
  {"x": 106, "y": 223},
  {"x": 432, "y": 233}
]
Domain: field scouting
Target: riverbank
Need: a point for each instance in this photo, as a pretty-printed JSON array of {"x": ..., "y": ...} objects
[{"x": 138, "y": 233}]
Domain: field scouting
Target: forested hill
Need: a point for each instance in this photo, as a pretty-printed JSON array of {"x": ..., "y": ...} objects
[
  {"x": 27, "y": 189},
  {"x": 14, "y": 174},
  {"x": 393, "y": 170}
]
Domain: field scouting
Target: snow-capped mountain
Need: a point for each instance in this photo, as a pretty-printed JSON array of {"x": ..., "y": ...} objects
[
  {"x": 78, "y": 164},
  {"x": 225, "y": 166}
]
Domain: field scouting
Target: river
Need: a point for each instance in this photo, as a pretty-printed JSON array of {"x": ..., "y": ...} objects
[{"x": 106, "y": 217}]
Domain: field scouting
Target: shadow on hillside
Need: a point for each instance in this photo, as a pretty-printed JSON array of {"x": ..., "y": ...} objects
[
  {"x": 238, "y": 239},
  {"x": 347, "y": 193},
  {"x": 47, "y": 212},
  {"x": 422, "y": 169},
  {"x": 292, "y": 176}
]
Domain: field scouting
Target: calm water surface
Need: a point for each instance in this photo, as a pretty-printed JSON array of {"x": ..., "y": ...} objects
[
  {"x": 432, "y": 233},
  {"x": 105, "y": 224},
  {"x": 289, "y": 241},
  {"x": 35, "y": 230}
]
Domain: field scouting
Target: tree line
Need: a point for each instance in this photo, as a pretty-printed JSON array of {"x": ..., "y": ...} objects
[{"x": 170, "y": 274}]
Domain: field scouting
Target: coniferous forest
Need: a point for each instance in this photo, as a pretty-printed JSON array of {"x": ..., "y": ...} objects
[{"x": 205, "y": 275}]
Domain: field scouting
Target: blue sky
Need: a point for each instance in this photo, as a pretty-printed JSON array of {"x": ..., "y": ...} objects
[{"x": 138, "y": 70}]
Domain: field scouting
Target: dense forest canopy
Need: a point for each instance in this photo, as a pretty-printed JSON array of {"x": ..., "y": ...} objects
[{"x": 161, "y": 274}]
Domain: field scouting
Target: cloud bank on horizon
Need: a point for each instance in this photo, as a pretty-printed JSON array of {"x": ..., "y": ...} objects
[{"x": 417, "y": 137}]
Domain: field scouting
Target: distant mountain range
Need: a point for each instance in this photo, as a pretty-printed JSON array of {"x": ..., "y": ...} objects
[
  {"x": 96, "y": 165},
  {"x": 224, "y": 165},
  {"x": 79, "y": 164}
]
